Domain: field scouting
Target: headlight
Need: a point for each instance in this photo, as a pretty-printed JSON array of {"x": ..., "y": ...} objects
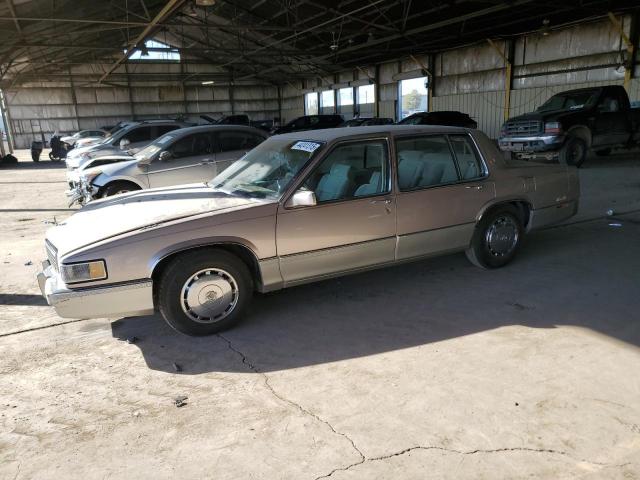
[
  {"x": 83, "y": 272},
  {"x": 89, "y": 177}
]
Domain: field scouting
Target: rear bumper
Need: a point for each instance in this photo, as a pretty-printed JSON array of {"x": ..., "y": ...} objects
[
  {"x": 544, "y": 217},
  {"x": 133, "y": 298}
]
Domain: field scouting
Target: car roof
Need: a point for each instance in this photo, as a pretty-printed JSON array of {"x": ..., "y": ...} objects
[
  {"x": 181, "y": 132},
  {"x": 331, "y": 134}
]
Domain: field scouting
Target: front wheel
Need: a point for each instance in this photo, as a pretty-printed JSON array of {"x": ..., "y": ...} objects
[
  {"x": 204, "y": 292},
  {"x": 119, "y": 187},
  {"x": 573, "y": 152},
  {"x": 496, "y": 239}
]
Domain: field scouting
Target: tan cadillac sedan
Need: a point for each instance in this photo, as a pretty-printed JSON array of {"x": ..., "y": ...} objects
[{"x": 298, "y": 208}]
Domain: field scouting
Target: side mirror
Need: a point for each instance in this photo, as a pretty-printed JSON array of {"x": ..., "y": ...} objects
[
  {"x": 302, "y": 198},
  {"x": 124, "y": 143},
  {"x": 165, "y": 156}
]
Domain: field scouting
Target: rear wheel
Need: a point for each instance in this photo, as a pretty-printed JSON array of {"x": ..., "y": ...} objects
[
  {"x": 496, "y": 239},
  {"x": 204, "y": 292},
  {"x": 573, "y": 152},
  {"x": 117, "y": 188}
]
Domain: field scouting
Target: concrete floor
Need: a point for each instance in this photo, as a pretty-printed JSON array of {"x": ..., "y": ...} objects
[{"x": 431, "y": 370}]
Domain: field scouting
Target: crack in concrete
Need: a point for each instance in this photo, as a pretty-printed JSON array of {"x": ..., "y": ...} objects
[
  {"x": 297, "y": 406},
  {"x": 363, "y": 458},
  {"x": 473, "y": 452}
]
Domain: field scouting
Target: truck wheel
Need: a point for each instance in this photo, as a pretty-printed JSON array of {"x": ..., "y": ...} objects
[
  {"x": 204, "y": 292},
  {"x": 117, "y": 188},
  {"x": 573, "y": 152},
  {"x": 496, "y": 239},
  {"x": 604, "y": 152}
]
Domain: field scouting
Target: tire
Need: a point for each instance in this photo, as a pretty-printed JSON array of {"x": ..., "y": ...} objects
[
  {"x": 218, "y": 277},
  {"x": 117, "y": 188},
  {"x": 604, "y": 152},
  {"x": 496, "y": 239},
  {"x": 573, "y": 152},
  {"x": 52, "y": 158}
]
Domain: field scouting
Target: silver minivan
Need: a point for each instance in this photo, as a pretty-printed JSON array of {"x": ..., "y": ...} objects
[{"x": 187, "y": 155}]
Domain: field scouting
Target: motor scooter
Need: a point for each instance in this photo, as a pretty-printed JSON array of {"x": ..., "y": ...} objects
[{"x": 58, "y": 148}]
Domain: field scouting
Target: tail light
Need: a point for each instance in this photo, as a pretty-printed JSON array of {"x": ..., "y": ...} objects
[{"x": 552, "y": 127}]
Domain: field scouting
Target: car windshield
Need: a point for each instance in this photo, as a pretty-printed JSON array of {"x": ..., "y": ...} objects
[
  {"x": 267, "y": 170},
  {"x": 150, "y": 150},
  {"x": 569, "y": 101}
]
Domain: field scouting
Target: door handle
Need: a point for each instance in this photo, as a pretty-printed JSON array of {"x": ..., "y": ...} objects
[
  {"x": 474, "y": 187},
  {"x": 386, "y": 201}
]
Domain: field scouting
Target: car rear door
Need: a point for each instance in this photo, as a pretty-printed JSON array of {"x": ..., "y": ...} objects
[
  {"x": 352, "y": 226},
  {"x": 192, "y": 161},
  {"x": 443, "y": 184}
]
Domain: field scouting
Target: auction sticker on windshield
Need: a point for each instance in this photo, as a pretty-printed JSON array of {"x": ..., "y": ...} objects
[{"x": 305, "y": 146}]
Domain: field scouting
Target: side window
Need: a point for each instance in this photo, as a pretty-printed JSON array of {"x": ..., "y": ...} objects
[
  {"x": 202, "y": 144},
  {"x": 183, "y": 147},
  {"x": 230, "y": 141},
  {"x": 314, "y": 120},
  {"x": 424, "y": 162},
  {"x": 609, "y": 103},
  {"x": 467, "y": 157},
  {"x": 140, "y": 134},
  {"x": 254, "y": 140},
  {"x": 162, "y": 129},
  {"x": 350, "y": 171}
]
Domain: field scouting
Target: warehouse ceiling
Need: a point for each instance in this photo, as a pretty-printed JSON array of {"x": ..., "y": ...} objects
[{"x": 263, "y": 41}]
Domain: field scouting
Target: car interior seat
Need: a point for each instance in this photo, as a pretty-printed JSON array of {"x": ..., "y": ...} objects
[
  {"x": 410, "y": 169},
  {"x": 335, "y": 184},
  {"x": 370, "y": 188}
]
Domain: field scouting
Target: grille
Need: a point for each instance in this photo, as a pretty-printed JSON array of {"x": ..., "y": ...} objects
[
  {"x": 524, "y": 127},
  {"x": 52, "y": 254}
]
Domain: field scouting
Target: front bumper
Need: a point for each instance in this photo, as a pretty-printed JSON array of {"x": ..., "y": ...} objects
[
  {"x": 537, "y": 143},
  {"x": 125, "y": 299},
  {"x": 81, "y": 192}
]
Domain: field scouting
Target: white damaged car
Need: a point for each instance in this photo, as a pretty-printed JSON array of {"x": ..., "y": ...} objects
[{"x": 187, "y": 155}]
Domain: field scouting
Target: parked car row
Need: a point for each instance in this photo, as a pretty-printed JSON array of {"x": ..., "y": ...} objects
[
  {"x": 148, "y": 154},
  {"x": 297, "y": 208}
]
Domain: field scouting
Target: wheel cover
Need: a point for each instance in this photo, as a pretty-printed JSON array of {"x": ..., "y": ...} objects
[
  {"x": 209, "y": 295},
  {"x": 502, "y": 236}
]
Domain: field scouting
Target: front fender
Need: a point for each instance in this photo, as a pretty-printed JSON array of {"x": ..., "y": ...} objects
[{"x": 103, "y": 180}]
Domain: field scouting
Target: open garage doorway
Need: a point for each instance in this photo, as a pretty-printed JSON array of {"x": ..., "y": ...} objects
[{"x": 414, "y": 96}]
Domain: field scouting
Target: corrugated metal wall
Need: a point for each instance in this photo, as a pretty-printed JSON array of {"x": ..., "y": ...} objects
[
  {"x": 470, "y": 79},
  {"x": 47, "y": 109}
]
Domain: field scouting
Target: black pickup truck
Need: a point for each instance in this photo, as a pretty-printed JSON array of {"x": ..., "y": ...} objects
[{"x": 571, "y": 123}]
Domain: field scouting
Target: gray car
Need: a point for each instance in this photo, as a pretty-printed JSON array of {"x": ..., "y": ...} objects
[
  {"x": 187, "y": 155},
  {"x": 298, "y": 208}
]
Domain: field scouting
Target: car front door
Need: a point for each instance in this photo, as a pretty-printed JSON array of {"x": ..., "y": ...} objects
[
  {"x": 353, "y": 224},
  {"x": 442, "y": 184},
  {"x": 190, "y": 160},
  {"x": 612, "y": 124},
  {"x": 230, "y": 145}
]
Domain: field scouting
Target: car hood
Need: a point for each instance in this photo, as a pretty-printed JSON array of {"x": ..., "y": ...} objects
[
  {"x": 132, "y": 211},
  {"x": 69, "y": 139},
  {"x": 546, "y": 116},
  {"x": 111, "y": 164}
]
